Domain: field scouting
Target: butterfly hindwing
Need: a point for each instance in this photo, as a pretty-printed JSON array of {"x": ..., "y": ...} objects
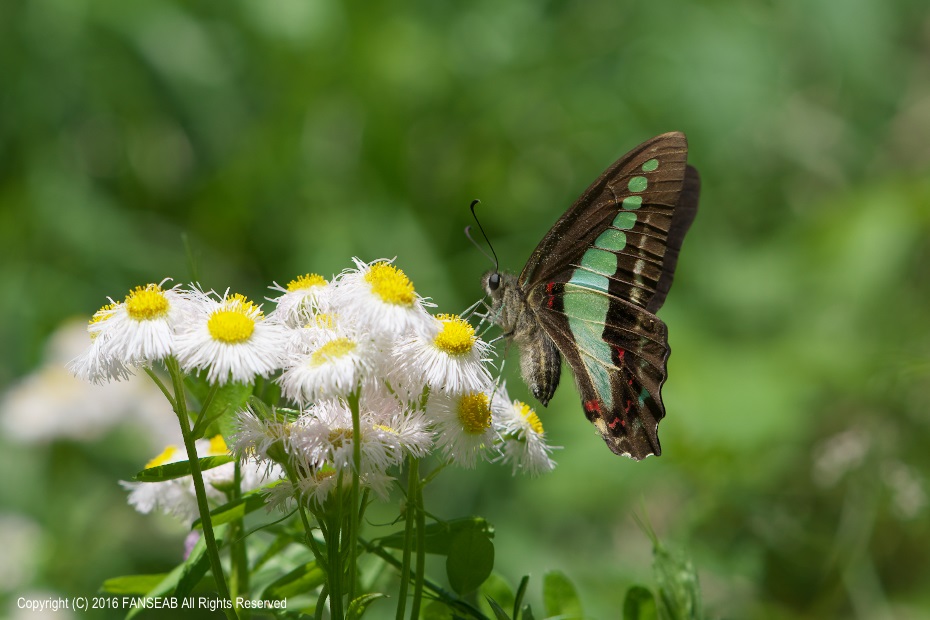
[{"x": 618, "y": 359}]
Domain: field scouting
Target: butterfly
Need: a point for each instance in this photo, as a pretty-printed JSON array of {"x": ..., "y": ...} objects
[{"x": 591, "y": 289}]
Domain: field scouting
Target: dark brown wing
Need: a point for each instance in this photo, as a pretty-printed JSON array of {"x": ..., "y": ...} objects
[{"x": 646, "y": 183}]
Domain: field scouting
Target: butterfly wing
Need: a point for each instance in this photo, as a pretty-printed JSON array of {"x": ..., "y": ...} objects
[
  {"x": 596, "y": 279},
  {"x": 633, "y": 207}
]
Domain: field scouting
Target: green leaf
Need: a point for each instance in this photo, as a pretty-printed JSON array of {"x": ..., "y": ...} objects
[
  {"x": 360, "y": 604},
  {"x": 499, "y": 612},
  {"x": 560, "y": 597},
  {"x": 299, "y": 581},
  {"x": 440, "y": 535},
  {"x": 639, "y": 604},
  {"x": 228, "y": 400},
  {"x": 470, "y": 560},
  {"x": 236, "y": 509},
  {"x": 132, "y": 584},
  {"x": 179, "y": 469},
  {"x": 679, "y": 591},
  {"x": 436, "y": 610},
  {"x": 521, "y": 593},
  {"x": 498, "y": 591},
  {"x": 526, "y": 613}
]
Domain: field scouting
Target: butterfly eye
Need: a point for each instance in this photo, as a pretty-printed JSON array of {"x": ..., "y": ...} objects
[{"x": 494, "y": 281}]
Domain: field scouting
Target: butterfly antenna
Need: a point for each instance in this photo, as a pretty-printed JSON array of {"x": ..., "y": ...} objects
[{"x": 484, "y": 234}]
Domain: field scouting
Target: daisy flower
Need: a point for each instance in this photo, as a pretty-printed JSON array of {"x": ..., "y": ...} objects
[
  {"x": 324, "y": 436},
  {"x": 335, "y": 366},
  {"x": 522, "y": 437},
  {"x": 405, "y": 431},
  {"x": 446, "y": 357},
  {"x": 140, "y": 330},
  {"x": 463, "y": 425},
  {"x": 380, "y": 297},
  {"x": 301, "y": 298},
  {"x": 231, "y": 338}
]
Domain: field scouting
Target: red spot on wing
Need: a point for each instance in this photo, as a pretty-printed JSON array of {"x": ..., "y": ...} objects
[
  {"x": 592, "y": 406},
  {"x": 620, "y": 353},
  {"x": 551, "y": 299},
  {"x": 549, "y": 287}
]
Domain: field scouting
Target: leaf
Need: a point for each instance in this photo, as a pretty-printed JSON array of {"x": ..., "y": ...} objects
[
  {"x": 521, "y": 592},
  {"x": 639, "y": 604},
  {"x": 436, "y": 610},
  {"x": 498, "y": 591},
  {"x": 236, "y": 509},
  {"x": 228, "y": 400},
  {"x": 440, "y": 535},
  {"x": 179, "y": 469},
  {"x": 470, "y": 560},
  {"x": 360, "y": 604},
  {"x": 132, "y": 584},
  {"x": 679, "y": 591},
  {"x": 299, "y": 581},
  {"x": 499, "y": 612},
  {"x": 560, "y": 597},
  {"x": 526, "y": 613}
]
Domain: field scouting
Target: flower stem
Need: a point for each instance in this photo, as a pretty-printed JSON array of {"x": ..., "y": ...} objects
[
  {"x": 413, "y": 473},
  {"x": 354, "y": 501},
  {"x": 213, "y": 553},
  {"x": 421, "y": 552},
  {"x": 238, "y": 553}
]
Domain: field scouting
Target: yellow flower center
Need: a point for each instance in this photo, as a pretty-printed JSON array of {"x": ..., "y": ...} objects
[
  {"x": 326, "y": 321},
  {"x": 217, "y": 446},
  {"x": 103, "y": 314},
  {"x": 235, "y": 321},
  {"x": 530, "y": 416},
  {"x": 338, "y": 436},
  {"x": 305, "y": 281},
  {"x": 332, "y": 350},
  {"x": 167, "y": 456},
  {"x": 390, "y": 284},
  {"x": 148, "y": 302},
  {"x": 474, "y": 413},
  {"x": 457, "y": 336}
]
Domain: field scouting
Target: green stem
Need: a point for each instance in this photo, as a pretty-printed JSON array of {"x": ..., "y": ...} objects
[
  {"x": 354, "y": 500},
  {"x": 421, "y": 553},
  {"x": 335, "y": 538},
  {"x": 238, "y": 553},
  {"x": 413, "y": 473},
  {"x": 180, "y": 408}
]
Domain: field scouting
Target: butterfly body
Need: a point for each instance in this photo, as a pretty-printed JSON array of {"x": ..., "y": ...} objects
[{"x": 590, "y": 291}]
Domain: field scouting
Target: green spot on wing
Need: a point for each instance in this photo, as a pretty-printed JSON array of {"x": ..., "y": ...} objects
[
  {"x": 612, "y": 239},
  {"x": 600, "y": 261},
  {"x": 650, "y": 165},
  {"x": 625, "y": 220},
  {"x": 632, "y": 202},
  {"x": 586, "y": 314},
  {"x": 637, "y": 184}
]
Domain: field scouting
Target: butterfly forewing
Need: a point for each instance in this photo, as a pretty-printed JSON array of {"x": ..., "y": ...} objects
[{"x": 628, "y": 212}]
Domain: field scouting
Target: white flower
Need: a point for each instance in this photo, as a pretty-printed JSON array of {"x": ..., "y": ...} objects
[
  {"x": 141, "y": 329},
  {"x": 463, "y": 425},
  {"x": 334, "y": 367},
  {"x": 522, "y": 435},
  {"x": 301, "y": 299},
  {"x": 448, "y": 357},
  {"x": 406, "y": 431},
  {"x": 324, "y": 436},
  {"x": 380, "y": 298},
  {"x": 231, "y": 338}
]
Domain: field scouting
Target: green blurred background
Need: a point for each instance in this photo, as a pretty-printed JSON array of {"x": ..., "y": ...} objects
[{"x": 284, "y": 136}]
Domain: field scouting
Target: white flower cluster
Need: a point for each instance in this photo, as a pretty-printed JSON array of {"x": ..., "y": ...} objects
[{"x": 422, "y": 381}]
